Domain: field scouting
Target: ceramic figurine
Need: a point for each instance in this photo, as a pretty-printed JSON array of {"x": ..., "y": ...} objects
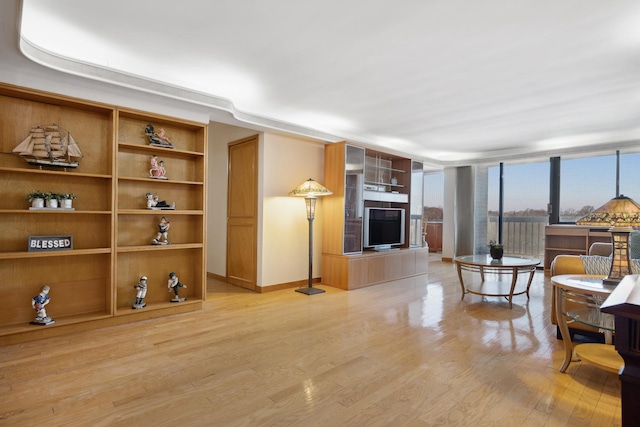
[
  {"x": 175, "y": 285},
  {"x": 157, "y": 170},
  {"x": 39, "y": 302},
  {"x": 141, "y": 288},
  {"x": 162, "y": 238},
  {"x": 154, "y": 203},
  {"x": 157, "y": 139}
]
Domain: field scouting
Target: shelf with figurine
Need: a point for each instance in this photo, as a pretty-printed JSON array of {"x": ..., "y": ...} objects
[
  {"x": 184, "y": 229},
  {"x": 145, "y": 167},
  {"x": 148, "y": 247},
  {"x": 168, "y": 279},
  {"x": 131, "y": 147},
  {"x": 74, "y": 299},
  {"x": 150, "y": 132},
  {"x": 164, "y": 182},
  {"x": 135, "y": 196},
  {"x": 111, "y": 224},
  {"x": 173, "y": 286}
]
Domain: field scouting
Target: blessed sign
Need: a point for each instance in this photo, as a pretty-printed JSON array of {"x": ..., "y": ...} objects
[{"x": 50, "y": 243}]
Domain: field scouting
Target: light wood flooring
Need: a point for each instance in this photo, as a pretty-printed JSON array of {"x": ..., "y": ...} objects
[{"x": 406, "y": 353}]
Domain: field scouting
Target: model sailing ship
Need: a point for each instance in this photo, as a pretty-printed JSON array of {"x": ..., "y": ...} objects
[{"x": 47, "y": 147}]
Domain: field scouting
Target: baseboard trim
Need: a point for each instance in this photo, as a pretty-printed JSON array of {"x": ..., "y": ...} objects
[{"x": 272, "y": 288}]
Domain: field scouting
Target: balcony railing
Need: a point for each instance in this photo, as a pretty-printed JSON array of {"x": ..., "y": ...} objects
[{"x": 521, "y": 235}]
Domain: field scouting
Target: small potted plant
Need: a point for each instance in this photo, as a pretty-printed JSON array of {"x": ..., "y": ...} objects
[
  {"x": 496, "y": 250},
  {"x": 66, "y": 200},
  {"x": 51, "y": 199},
  {"x": 36, "y": 198}
]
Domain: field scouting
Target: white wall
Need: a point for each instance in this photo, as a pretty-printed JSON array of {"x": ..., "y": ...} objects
[
  {"x": 288, "y": 161},
  {"x": 285, "y": 162}
]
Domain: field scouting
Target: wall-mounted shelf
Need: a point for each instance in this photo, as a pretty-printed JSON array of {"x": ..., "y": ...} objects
[{"x": 92, "y": 284}]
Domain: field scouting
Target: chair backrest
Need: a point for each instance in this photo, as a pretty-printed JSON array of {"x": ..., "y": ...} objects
[{"x": 600, "y": 248}]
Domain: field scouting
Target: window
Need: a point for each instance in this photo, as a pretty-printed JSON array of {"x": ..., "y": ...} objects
[
  {"x": 630, "y": 176},
  {"x": 585, "y": 184},
  {"x": 433, "y": 196},
  {"x": 433, "y": 209},
  {"x": 525, "y": 198},
  {"x": 588, "y": 183}
]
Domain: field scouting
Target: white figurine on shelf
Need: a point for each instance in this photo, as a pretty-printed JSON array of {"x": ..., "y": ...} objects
[
  {"x": 157, "y": 170},
  {"x": 154, "y": 203},
  {"x": 39, "y": 302},
  {"x": 175, "y": 285},
  {"x": 141, "y": 288},
  {"x": 162, "y": 238}
]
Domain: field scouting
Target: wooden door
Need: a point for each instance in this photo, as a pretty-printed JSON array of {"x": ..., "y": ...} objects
[{"x": 242, "y": 213}]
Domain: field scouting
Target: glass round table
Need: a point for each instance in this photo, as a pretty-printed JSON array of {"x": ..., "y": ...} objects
[
  {"x": 484, "y": 264},
  {"x": 585, "y": 293}
]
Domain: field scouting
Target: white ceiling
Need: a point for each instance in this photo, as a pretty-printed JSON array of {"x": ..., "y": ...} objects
[{"x": 448, "y": 81}]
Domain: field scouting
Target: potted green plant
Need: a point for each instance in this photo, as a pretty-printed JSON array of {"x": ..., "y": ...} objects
[
  {"x": 496, "y": 250},
  {"x": 66, "y": 200},
  {"x": 51, "y": 199},
  {"x": 36, "y": 198}
]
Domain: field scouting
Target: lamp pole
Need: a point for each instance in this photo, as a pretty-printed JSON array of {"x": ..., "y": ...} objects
[
  {"x": 310, "y": 190},
  {"x": 310, "y": 202}
]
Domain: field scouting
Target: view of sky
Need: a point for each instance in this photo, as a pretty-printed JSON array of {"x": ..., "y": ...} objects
[{"x": 589, "y": 181}]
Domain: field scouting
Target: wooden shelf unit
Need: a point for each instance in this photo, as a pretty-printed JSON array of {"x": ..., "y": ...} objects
[
  {"x": 345, "y": 265},
  {"x": 570, "y": 240},
  {"x": 92, "y": 284}
]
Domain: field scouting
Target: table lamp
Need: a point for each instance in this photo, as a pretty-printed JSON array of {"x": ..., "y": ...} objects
[
  {"x": 310, "y": 190},
  {"x": 621, "y": 213}
]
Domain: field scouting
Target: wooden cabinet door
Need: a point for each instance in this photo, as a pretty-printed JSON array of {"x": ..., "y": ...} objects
[{"x": 242, "y": 213}]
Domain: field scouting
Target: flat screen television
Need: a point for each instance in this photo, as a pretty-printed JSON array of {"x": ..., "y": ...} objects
[{"x": 383, "y": 228}]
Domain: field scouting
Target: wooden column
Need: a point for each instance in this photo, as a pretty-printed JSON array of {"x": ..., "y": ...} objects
[{"x": 624, "y": 304}]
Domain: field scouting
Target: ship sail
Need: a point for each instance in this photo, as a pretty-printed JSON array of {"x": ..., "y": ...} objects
[
  {"x": 25, "y": 148},
  {"x": 73, "y": 149},
  {"x": 48, "y": 147}
]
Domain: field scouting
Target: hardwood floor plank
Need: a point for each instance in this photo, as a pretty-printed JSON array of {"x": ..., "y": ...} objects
[{"x": 406, "y": 353}]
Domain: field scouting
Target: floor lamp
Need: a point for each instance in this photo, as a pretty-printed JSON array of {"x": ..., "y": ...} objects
[
  {"x": 310, "y": 190},
  {"x": 621, "y": 213}
]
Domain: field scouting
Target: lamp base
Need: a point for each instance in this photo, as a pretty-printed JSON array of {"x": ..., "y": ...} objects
[
  {"x": 310, "y": 291},
  {"x": 608, "y": 281}
]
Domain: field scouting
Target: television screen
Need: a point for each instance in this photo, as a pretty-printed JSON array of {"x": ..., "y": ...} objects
[{"x": 383, "y": 227}]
